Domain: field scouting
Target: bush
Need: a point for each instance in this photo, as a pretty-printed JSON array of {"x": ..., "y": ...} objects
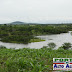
[
  {"x": 2, "y": 47},
  {"x": 52, "y": 45},
  {"x": 66, "y": 46}
]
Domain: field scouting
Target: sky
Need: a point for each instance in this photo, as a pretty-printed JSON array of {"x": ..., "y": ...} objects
[{"x": 39, "y": 11}]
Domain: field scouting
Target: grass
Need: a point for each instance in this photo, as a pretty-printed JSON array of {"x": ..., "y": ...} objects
[
  {"x": 30, "y": 60},
  {"x": 36, "y": 40},
  {"x": 21, "y": 42}
]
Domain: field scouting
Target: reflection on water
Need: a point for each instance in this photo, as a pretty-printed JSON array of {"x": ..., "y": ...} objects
[{"x": 58, "y": 39}]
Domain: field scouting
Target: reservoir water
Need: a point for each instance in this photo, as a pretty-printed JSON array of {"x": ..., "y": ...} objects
[{"x": 58, "y": 39}]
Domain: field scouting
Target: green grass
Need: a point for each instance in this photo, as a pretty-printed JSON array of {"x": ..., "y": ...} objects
[
  {"x": 30, "y": 60},
  {"x": 36, "y": 40},
  {"x": 32, "y": 40}
]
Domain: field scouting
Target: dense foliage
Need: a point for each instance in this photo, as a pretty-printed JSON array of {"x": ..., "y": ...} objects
[
  {"x": 26, "y": 33},
  {"x": 30, "y": 60}
]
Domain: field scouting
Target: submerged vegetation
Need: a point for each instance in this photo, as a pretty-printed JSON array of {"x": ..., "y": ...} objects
[{"x": 30, "y": 60}]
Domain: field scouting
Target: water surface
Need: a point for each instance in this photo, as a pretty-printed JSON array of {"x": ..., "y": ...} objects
[{"x": 58, "y": 39}]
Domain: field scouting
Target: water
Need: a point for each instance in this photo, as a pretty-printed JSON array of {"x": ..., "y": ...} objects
[{"x": 58, "y": 39}]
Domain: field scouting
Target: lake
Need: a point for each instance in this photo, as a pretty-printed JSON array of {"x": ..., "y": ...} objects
[{"x": 58, "y": 39}]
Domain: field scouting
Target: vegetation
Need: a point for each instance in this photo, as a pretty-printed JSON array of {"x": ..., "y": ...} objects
[
  {"x": 36, "y": 40},
  {"x": 52, "y": 45},
  {"x": 67, "y": 46},
  {"x": 30, "y": 60},
  {"x": 25, "y": 33}
]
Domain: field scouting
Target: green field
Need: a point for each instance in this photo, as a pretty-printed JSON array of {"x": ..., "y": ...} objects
[{"x": 30, "y": 60}]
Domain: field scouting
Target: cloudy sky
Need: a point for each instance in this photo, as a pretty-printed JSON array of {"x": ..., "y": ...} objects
[{"x": 35, "y": 10}]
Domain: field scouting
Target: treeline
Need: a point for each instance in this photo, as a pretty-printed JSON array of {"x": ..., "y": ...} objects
[
  {"x": 15, "y": 34},
  {"x": 24, "y": 33}
]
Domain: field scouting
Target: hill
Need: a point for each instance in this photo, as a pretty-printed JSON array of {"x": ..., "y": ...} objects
[{"x": 18, "y": 22}]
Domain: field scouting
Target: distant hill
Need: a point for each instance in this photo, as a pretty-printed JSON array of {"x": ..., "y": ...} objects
[{"x": 18, "y": 22}]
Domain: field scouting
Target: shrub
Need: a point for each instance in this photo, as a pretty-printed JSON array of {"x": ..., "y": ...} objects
[
  {"x": 66, "y": 46},
  {"x": 52, "y": 45},
  {"x": 2, "y": 47}
]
